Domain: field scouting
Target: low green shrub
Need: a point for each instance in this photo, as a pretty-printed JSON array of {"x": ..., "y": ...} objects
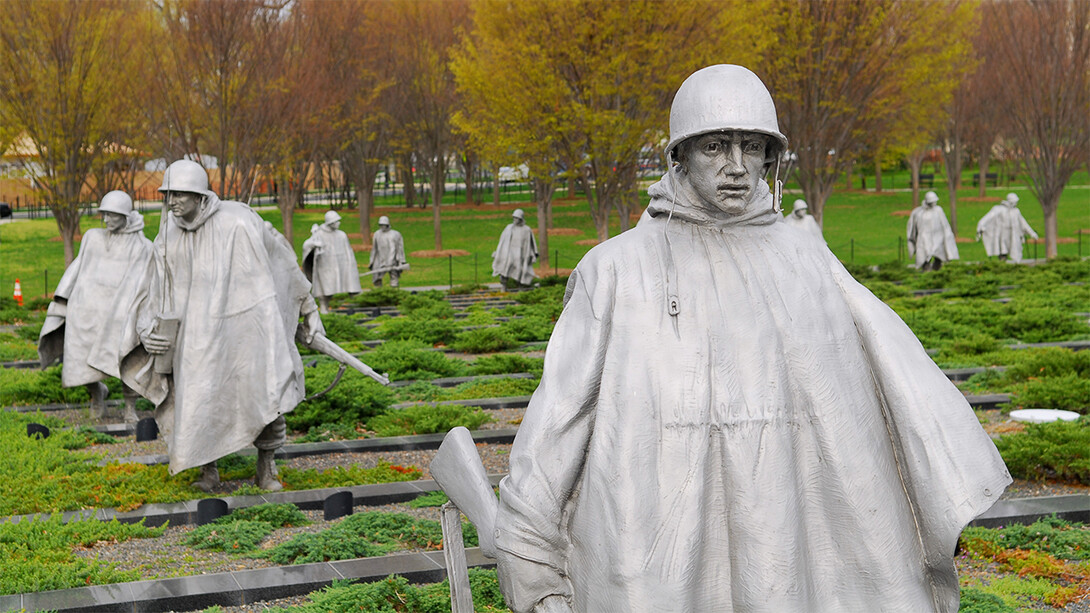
[
  {"x": 14, "y": 348},
  {"x": 505, "y": 363},
  {"x": 429, "y": 331},
  {"x": 396, "y": 595},
  {"x": 29, "y": 332},
  {"x": 1048, "y": 362},
  {"x": 278, "y": 515},
  {"x": 545, "y": 293},
  {"x": 237, "y": 536},
  {"x": 354, "y": 399},
  {"x": 364, "y": 535},
  {"x": 426, "y": 305},
  {"x": 38, "y": 553},
  {"x": 382, "y": 296},
  {"x": 1068, "y": 392},
  {"x": 1054, "y": 450},
  {"x": 1059, "y": 538},
  {"x": 23, "y": 386},
  {"x": 410, "y": 360},
  {"x": 346, "y": 476},
  {"x": 529, "y": 328},
  {"x": 492, "y": 388},
  {"x": 335, "y": 431},
  {"x": 431, "y": 499},
  {"x": 343, "y": 328},
  {"x": 886, "y": 290},
  {"x": 427, "y": 419},
  {"x": 420, "y": 391},
  {"x": 484, "y": 340},
  {"x": 244, "y": 529},
  {"x": 975, "y": 600}
]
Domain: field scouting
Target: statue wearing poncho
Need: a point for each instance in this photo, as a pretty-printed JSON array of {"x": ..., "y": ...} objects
[
  {"x": 329, "y": 262},
  {"x": 515, "y": 254},
  {"x": 234, "y": 283},
  {"x": 85, "y": 321},
  {"x": 727, "y": 421}
]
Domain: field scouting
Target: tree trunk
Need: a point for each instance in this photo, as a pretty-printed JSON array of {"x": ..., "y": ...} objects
[
  {"x": 408, "y": 184},
  {"x": 68, "y": 225},
  {"x": 365, "y": 200},
  {"x": 571, "y": 187},
  {"x": 469, "y": 164},
  {"x": 438, "y": 174},
  {"x": 985, "y": 155},
  {"x": 495, "y": 185},
  {"x": 877, "y": 173},
  {"x": 848, "y": 176},
  {"x": 1049, "y": 204},
  {"x": 543, "y": 196},
  {"x": 951, "y": 157},
  {"x": 915, "y": 163}
]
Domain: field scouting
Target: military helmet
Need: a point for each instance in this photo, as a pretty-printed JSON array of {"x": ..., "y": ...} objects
[
  {"x": 116, "y": 201},
  {"x": 1012, "y": 198},
  {"x": 722, "y": 98},
  {"x": 930, "y": 198},
  {"x": 186, "y": 176},
  {"x": 800, "y": 205},
  {"x": 519, "y": 214},
  {"x": 331, "y": 216},
  {"x": 384, "y": 221}
]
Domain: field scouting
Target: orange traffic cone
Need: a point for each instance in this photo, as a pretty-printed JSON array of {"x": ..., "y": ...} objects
[{"x": 18, "y": 295}]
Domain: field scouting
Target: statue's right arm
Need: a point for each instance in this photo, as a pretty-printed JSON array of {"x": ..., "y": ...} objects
[{"x": 549, "y": 454}]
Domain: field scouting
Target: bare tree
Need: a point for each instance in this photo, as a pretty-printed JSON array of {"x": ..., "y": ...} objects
[
  {"x": 1044, "y": 46},
  {"x": 223, "y": 60},
  {"x": 68, "y": 74},
  {"x": 842, "y": 70}
]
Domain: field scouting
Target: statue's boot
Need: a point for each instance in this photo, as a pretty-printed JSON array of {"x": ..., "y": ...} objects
[
  {"x": 210, "y": 478},
  {"x": 266, "y": 471},
  {"x": 323, "y": 305},
  {"x": 98, "y": 391},
  {"x": 130, "y": 406}
]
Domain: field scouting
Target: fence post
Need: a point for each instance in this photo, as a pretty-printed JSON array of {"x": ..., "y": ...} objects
[
  {"x": 475, "y": 282},
  {"x": 46, "y": 271},
  {"x": 1080, "y": 243},
  {"x": 852, "y": 259},
  {"x": 450, "y": 269},
  {"x": 900, "y": 247},
  {"x": 1035, "y": 243},
  {"x": 556, "y": 262}
]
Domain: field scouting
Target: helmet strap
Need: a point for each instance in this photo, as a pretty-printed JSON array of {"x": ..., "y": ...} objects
[{"x": 777, "y": 189}]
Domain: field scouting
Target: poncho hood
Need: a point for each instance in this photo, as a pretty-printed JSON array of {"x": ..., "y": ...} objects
[
  {"x": 134, "y": 222},
  {"x": 669, "y": 193},
  {"x": 209, "y": 207}
]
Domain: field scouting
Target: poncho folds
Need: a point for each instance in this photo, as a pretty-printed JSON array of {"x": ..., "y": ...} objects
[
  {"x": 929, "y": 235},
  {"x": 329, "y": 263},
  {"x": 100, "y": 286},
  {"x": 1002, "y": 231},
  {"x": 783, "y": 443},
  {"x": 238, "y": 290},
  {"x": 515, "y": 254}
]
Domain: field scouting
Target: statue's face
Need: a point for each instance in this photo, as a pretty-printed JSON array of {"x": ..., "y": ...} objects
[
  {"x": 518, "y": 221},
  {"x": 724, "y": 168},
  {"x": 800, "y": 213},
  {"x": 333, "y": 225},
  {"x": 384, "y": 227},
  {"x": 115, "y": 222},
  {"x": 184, "y": 204}
]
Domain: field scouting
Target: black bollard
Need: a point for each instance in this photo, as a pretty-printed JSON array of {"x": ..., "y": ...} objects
[
  {"x": 210, "y": 509},
  {"x": 147, "y": 429},
  {"x": 376, "y": 312},
  {"x": 338, "y": 505},
  {"x": 37, "y": 431}
]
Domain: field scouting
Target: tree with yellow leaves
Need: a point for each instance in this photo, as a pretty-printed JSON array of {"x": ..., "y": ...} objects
[{"x": 587, "y": 85}]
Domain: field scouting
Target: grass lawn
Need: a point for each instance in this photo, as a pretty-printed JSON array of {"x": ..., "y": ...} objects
[{"x": 864, "y": 227}]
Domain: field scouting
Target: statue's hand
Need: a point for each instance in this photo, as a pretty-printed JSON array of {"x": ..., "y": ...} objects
[
  {"x": 156, "y": 344},
  {"x": 553, "y": 604},
  {"x": 312, "y": 325}
]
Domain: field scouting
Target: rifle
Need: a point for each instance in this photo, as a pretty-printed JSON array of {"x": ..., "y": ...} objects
[{"x": 321, "y": 344}]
